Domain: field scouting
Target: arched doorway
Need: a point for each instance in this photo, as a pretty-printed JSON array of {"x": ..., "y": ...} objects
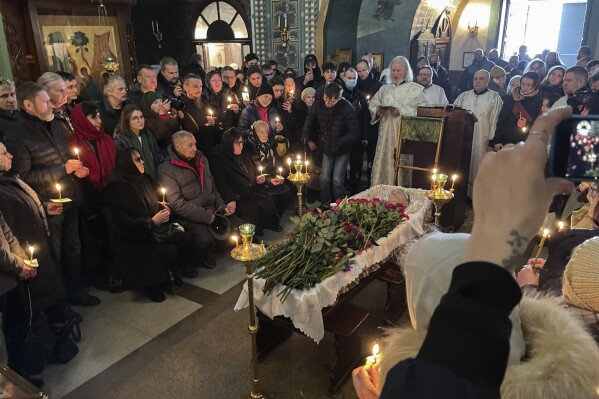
[{"x": 221, "y": 35}]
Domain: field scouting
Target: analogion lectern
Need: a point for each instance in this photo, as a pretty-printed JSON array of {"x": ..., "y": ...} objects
[{"x": 447, "y": 146}]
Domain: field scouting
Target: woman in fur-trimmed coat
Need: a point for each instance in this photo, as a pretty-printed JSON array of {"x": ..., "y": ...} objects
[{"x": 552, "y": 356}]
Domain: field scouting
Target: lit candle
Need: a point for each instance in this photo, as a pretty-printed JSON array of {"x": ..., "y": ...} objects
[
  {"x": 561, "y": 226},
  {"x": 277, "y": 120},
  {"x": 289, "y": 163},
  {"x": 76, "y": 150},
  {"x": 453, "y": 178},
  {"x": 236, "y": 239},
  {"x": 434, "y": 179},
  {"x": 280, "y": 172},
  {"x": 368, "y": 98},
  {"x": 59, "y": 190},
  {"x": 245, "y": 96},
  {"x": 298, "y": 157},
  {"x": 31, "y": 249},
  {"x": 229, "y": 105},
  {"x": 163, "y": 190},
  {"x": 210, "y": 112},
  {"x": 545, "y": 235},
  {"x": 260, "y": 168},
  {"x": 306, "y": 163},
  {"x": 375, "y": 354},
  {"x": 291, "y": 92},
  {"x": 434, "y": 171}
]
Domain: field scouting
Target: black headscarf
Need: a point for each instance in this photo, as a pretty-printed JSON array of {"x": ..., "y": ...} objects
[{"x": 125, "y": 170}]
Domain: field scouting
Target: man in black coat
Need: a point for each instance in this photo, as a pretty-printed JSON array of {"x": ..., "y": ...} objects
[
  {"x": 441, "y": 75},
  {"x": 146, "y": 81},
  {"x": 41, "y": 157},
  {"x": 113, "y": 102},
  {"x": 195, "y": 67},
  {"x": 8, "y": 106},
  {"x": 336, "y": 119},
  {"x": 169, "y": 85}
]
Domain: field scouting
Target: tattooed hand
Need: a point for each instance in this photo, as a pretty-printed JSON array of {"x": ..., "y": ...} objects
[{"x": 511, "y": 196}]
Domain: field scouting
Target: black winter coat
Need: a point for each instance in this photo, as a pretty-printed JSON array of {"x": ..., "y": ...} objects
[
  {"x": 39, "y": 154},
  {"x": 338, "y": 126},
  {"x": 194, "y": 121},
  {"x": 130, "y": 226},
  {"x": 250, "y": 115},
  {"x": 507, "y": 131},
  {"x": 110, "y": 116},
  {"x": 234, "y": 183},
  {"x": 7, "y": 121},
  {"x": 24, "y": 219}
]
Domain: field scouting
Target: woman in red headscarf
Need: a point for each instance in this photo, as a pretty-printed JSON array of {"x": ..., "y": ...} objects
[
  {"x": 95, "y": 147},
  {"x": 97, "y": 151}
]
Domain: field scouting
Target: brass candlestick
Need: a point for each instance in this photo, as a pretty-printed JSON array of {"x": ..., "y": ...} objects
[
  {"x": 438, "y": 195},
  {"x": 248, "y": 253},
  {"x": 299, "y": 179}
]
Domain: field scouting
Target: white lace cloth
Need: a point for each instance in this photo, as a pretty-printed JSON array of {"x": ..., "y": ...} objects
[{"x": 304, "y": 307}]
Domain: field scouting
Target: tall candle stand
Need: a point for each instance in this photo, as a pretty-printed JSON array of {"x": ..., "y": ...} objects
[
  {"x": 299, "y": 179},
  {"x": 248, "y": 253},
  {"x": 438, "y": 195}
]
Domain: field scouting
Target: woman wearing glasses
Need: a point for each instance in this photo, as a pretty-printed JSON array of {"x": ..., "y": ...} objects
[
  {"x": 131, "y": 133},
  {"x": 133, "y": 210},
  {"x": 238, "y": 181}
]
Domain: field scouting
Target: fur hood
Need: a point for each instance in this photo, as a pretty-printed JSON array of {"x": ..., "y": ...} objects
[{"x": 562, "y": 359}]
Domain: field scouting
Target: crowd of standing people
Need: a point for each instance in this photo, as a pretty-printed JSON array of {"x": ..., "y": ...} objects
[{"x": 133, "y": 188}]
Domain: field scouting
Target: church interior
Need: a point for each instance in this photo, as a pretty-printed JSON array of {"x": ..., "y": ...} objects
[{"x": 201, "y": 341}]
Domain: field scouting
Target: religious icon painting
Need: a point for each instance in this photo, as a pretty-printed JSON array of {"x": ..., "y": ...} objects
[
  {"x": 287, "y": 56},
  {"x": 284, "y": 14}
]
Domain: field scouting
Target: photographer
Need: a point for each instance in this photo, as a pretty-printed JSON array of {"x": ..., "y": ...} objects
[
  {"x": 465, "y": 351},
  {"x": 169, "y": 85},
  {"x": 575, "y": 83}
]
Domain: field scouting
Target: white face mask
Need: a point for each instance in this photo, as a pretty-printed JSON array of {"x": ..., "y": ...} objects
[{"x": 351, "y": 83}]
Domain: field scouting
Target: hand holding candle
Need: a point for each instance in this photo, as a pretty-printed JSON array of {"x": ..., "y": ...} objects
[
  {"x": 376, "y": 357},
  {"x": 545, "y": 235}
]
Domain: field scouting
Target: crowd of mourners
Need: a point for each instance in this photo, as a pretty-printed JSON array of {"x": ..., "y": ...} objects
[{"x": 132, "y": 188}]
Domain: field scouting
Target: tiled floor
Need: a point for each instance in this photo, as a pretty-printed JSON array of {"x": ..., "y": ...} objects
[{"x": 194, "y": 345}]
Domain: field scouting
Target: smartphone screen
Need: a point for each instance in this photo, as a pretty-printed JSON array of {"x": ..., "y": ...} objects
[{"x": 574, "y": 149}]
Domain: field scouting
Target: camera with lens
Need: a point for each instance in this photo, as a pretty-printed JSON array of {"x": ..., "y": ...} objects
[{"x": 577, "y": 100}]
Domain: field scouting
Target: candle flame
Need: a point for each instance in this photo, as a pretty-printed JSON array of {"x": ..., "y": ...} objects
[
  {"x": 289, "y": 161},
  {"x": 163, "y": 190},
  {"x": 545, "y": 232},
  {"x": 58, "y": 187},
  {"x": 298, "y": 157},
  {"x": 245, "y": 89},
  {"x": 375, "y": 349},
  {"x": 31, "y": 249},
  {"x": 229, "y": 98},
  {"x": 434, "y": 177},
  {"x": 234, "y": 238},
  {"x": 280, "y": 170},
  {"x": 76, "y": 151},
  {"x": 561, "y": 225},
  {"x": 454, "y": 177}
]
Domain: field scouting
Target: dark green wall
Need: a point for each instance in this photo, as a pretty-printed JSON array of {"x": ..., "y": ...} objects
[{"x": 341, "y": 26}]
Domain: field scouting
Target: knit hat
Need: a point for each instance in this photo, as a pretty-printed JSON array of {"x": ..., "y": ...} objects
[
  {"x": 265, "y": 88},
  {"x": 581, "y": 277},
  {"x": 428, "y": 268},
  {"x": 497, "y": 72},
  {"x": 150, "y": 97}
]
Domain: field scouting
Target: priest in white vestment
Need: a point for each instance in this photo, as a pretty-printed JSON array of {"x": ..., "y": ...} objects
[
  {"x": 435, "y": 95},
  {"x": 399, "y": 97},
  {"x": 485, "y": 104}
]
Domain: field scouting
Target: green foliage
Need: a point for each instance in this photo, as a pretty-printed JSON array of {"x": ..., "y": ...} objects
[{"x": 323, "y": 243}]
